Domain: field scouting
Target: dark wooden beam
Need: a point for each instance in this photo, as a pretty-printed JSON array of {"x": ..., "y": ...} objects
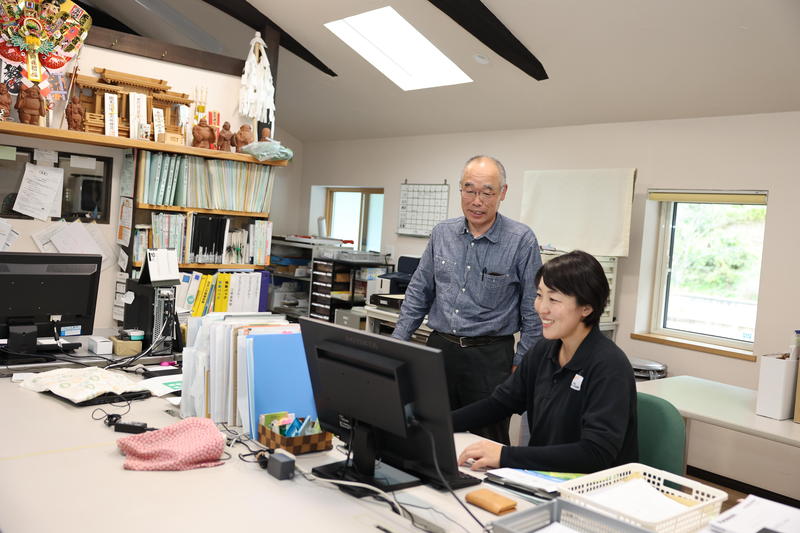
[
  {"x": 249, "y": 15},
  {"x": 181, "y": 55},
  {"x": 476, "y": 18}
]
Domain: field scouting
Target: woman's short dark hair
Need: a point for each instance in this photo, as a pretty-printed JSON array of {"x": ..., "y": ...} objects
[{"x": 581, "y": 276}]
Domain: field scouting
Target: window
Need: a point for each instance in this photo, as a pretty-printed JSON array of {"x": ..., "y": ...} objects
[
  {"x": 355, "y": 214},
  {"x": 708, "y": 266},
  {"x": 85, "y": 193}
]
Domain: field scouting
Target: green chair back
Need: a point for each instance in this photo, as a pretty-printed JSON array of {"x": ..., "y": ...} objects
[{"x": 662, "y": 434}]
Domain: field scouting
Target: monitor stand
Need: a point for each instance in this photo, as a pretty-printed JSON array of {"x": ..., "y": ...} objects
[
  {"x": 364, "y": 468},
  {"x": 385, "y": 477}
]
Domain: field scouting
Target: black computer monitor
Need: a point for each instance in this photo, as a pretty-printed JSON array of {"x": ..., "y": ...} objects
[
  {"x": 43, "y": 290},
  {"x": 387, "y": 399}
]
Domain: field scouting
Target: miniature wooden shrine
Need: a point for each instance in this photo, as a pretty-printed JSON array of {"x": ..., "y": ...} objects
[{"x": 91, "y": 91}]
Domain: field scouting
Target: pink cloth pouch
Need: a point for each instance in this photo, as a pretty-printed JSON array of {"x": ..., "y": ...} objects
[{"x": 190, "y": 443}]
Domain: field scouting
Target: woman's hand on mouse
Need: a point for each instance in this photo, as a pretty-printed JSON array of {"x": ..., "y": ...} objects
[{"x": 483, "y": 454}]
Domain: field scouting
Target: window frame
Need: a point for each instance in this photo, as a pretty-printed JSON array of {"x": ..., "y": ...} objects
[
  {"x": 667, "y": 201},
  {"x": 364, "y": 217}
]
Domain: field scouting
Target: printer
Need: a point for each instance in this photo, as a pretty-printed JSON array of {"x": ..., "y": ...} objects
[{"x": 398, "y": 282}]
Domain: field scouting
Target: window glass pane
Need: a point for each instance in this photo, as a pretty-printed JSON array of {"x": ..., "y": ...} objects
[
  {"x": 375, "y": 222},
  {"x": 715, "y": 267},
  {"x": 346, "y": 215}
]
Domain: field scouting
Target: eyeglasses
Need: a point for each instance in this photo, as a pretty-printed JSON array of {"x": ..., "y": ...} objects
[{"x": 469, "y": 194}]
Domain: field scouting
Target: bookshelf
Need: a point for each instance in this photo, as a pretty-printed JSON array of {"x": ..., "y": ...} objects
[
  {"x": 178, "y": 209},
  {"x": 94, "y": 139},
  {"x": 212, "y": 266}
]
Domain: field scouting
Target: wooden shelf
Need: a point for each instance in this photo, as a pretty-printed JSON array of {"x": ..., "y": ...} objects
[
  {"x": 54, "y": 134},
  {"x": 151, "y": 207},
  {"x": 210, "y": 266}
]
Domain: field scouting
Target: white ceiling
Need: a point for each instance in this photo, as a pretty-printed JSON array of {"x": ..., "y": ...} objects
[{"x": 608, "y": 61}]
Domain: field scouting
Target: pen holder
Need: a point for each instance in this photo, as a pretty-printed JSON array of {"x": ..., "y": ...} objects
[
  {"x": 297, "y": 445},
  {"x": 776, "y": 387}
]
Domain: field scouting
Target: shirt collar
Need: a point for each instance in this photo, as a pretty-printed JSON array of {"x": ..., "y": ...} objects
[{"x": 493, "y": 235}]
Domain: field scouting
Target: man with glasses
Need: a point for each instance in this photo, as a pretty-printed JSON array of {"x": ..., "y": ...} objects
[{"x": 475, "y": 281}]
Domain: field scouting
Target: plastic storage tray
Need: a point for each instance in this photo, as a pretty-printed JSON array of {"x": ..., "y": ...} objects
[
  {"x": 566, "y": 513},
  {"x": 705, "y": 502}
]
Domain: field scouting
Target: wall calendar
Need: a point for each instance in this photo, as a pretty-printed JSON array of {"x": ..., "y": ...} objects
[{"x": 422, "y": 206}]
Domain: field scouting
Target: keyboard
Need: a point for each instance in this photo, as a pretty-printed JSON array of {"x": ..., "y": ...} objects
[{"x": 458, "y": 481}]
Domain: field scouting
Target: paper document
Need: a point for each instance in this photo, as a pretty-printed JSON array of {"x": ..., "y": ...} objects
[
  {"x": 10, "y": 239},
  {"x": 122, "y": 259},
  {"x": 5, "y": 232},
  {"x": 75, "y": 239},
  {"x": 162, "y": 264},
  {"x": 638, "y": 499},
  {"x": 45, "y": 157},
  {"x": 536, "y": 480},
  {"x": 42, "y": 237},
  {"x": 8, "y": 153},
  {"x": 126, "y": 173},
  {"x": 78, "y": 161},
  {"x": 106, "y": 249},
  {"x": 163, "y": 385},
  {"x": 37, "y": 191},
  {"x": 756, "y": 514},
  {"x": 125, "y": 221}
]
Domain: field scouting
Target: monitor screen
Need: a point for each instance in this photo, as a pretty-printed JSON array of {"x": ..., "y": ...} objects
[
  {"x": 40, "y": 289},
  {"x": 387, "y": 399}
]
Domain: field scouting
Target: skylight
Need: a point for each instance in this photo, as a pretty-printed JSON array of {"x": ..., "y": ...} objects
[{"x": 397, "y": 49}]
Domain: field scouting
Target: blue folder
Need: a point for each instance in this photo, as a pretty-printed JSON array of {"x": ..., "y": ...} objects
[{"x": 278, "y": 377}]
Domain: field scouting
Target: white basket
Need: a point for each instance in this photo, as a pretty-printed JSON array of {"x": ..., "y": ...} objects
[{"x": 707, "y": 500}]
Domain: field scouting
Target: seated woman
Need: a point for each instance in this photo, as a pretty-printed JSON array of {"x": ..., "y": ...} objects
[{"x": 576, "y": 385}]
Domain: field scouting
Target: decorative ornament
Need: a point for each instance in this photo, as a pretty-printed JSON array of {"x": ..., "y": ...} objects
[
  {"x": 41, "y": 34},
  {"x": 257, "y": 94}
]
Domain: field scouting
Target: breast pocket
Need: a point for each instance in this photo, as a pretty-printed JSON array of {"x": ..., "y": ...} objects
[
  {"x": 497, "y": 289},
  {"x": 444, "y": 273}
]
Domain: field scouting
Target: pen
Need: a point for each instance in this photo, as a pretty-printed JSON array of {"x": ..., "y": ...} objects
[
  {"x": 385, "y": 530},
  {"x": 483, "y": 273}
]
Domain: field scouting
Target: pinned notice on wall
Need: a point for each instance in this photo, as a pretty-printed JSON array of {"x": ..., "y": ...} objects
[
  {"x": 39, "y": 191},
  {"x": 125, "y": 221},
  {"x": 7, "y": 235},
  {"x": 8, "y": 153},
  {"x": 46, "y": 158}
]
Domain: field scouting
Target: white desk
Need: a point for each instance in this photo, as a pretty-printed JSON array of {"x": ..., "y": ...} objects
[
  {"x": 727, "y": 437},
  {"x": 61, "y": 471}
]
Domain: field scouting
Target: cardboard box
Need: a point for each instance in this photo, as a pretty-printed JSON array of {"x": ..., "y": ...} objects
[
  {"x": 777, "y": 383},
  {"x": 126, "y": 348},
  {"x": 171, "y": 138},
  {"x": 297, "y": 445}
]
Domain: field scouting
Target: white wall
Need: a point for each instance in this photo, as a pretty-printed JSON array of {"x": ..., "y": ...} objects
[{"x": 741, "y": 152}]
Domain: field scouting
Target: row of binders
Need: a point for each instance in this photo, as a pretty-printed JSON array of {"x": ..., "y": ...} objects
[
  {"x": 191, "y": 181},
  {"x": 239, "y": 366},
  {"x": 202, "y": 238},
  {"x": 202, "y": 294}
]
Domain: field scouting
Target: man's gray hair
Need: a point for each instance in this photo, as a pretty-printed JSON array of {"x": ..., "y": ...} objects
[{"x": 500, "y": 168}]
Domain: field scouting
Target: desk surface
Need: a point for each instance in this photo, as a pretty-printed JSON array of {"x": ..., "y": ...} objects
[
  {"x": 61, "y": 471},
  {"x": 721, "y": 405},
  {"x": 80, "y": 357}
]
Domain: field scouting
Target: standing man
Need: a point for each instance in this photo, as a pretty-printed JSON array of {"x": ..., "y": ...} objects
[{"x": 475, "y": 282}]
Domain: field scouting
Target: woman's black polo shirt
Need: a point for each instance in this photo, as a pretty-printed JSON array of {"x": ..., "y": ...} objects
[{"x": 582, "y": 417}]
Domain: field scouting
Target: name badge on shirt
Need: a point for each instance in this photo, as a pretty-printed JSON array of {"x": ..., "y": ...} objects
[{"x": 577, "y": 381}]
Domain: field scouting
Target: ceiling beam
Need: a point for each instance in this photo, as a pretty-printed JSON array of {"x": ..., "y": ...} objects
[
  {"x": 250, "y": 16},
  {"x": 476, "y": 18},
  {"x": 146, "y": 47}
]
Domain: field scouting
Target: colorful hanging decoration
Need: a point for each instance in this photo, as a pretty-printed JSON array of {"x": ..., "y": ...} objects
[{"x": 41, "y": 33}]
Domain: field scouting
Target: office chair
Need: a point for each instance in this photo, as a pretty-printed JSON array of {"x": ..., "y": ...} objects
[{"x": 662, "y": 434}]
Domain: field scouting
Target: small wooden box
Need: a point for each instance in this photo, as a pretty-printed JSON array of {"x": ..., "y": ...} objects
[{"x": 171, "y": 138}]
